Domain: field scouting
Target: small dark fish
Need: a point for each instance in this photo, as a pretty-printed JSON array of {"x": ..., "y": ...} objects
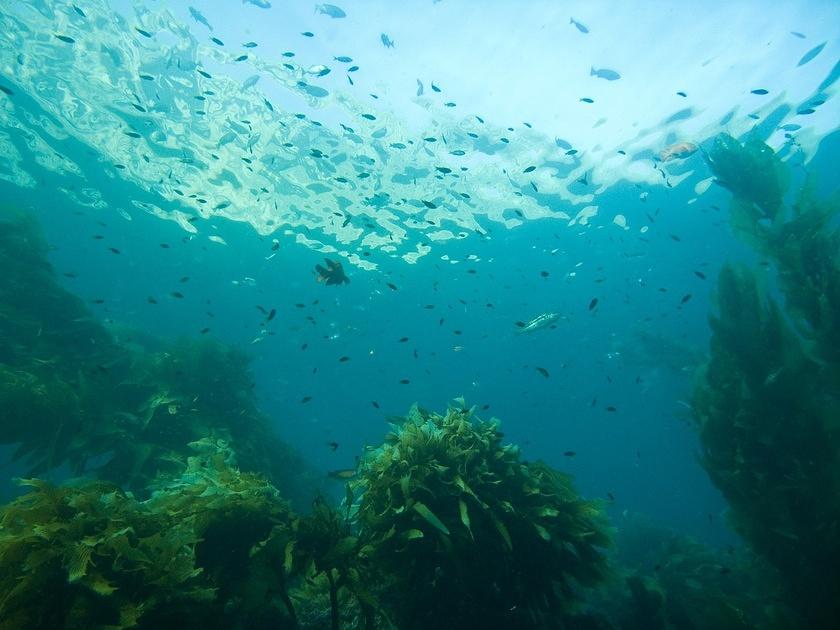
[
  {"x": 6, "y": 90},
  {"x": 593, "y": 303},
  {"x": 530, "y": 169},
  {"x": 437, "y": 89},
  {"x": 419, "y": 87},
  {"x": 343, "y": 59},
  {"x": 241, "y": 58},
  {"x": 674, "y": 237},
  {"x": 806, "y": 111},
  {"x": 586, "y": 99},
  {"x": 132, "y": 134},
  {"x": 271, "y": 315},
  {"x": 308, "y": 34},
  {"x": 700, "y": 275},
  {"x": 142, "y": 32},
  {"x": 114, "y": 250},
  {"x": 611, "y": 497},
  {"x": 184, "y": 279},
  {"x": 544, "y": 274},
  {"x": 403, "y": 339},
  {"x": 685, "y": 298},
  {"x": 204, "y": 331},
  {"x": 392, "y": 286},
  {"x": 683, "y": 94},
  {"x": 386, "y": 41},
  {"x": 578, "y": 26},
  {"x": 249, "y": 45},
  {"x": 66, "y": 39},
  {"x": 611, "y": 408},
  {"x": 79, "y": 11},
  {"x": 343, "y": 359},
  {"x": 346, "y": 473},
  {"x": 808, "y": 56},
  {"x": 543, "y": 371},
  {"x": 151, "y": 300},
  {"x": 177, "y": 294},
  {"x": 759, "y": 91},
  {"x": 333, "y": 445},
  {"x": 404, "y": 381},
  {"x": 217, "y": 41},
  {"x": 305, "y": 399},
  {"x": 375, "y": 404},
  {"x": 352, "y": 68},
  {"x": 569, "y": 453},
  {"x": 799, "y": 35}
]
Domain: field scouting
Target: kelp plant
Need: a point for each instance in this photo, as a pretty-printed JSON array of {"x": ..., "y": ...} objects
[
  {"x": 201, "y": 552},
  {"x": 118, "y": 406},
  {"x": 768, "y": 401},
  {"x": 469, "y": 535}
]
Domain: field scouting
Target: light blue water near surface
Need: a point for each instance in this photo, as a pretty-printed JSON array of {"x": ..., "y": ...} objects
[{"x": 634, "y": 352}]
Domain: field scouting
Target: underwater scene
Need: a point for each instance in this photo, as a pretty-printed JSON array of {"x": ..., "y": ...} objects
[{"x": 435, "y": 314}]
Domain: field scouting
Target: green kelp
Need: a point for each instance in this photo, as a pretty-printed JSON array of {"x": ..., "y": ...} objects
[
  {"x": 752, "y": 171},
  {"x": 669, "y": 581},
  {"x": 72, "y": 392},
  {"x": 768, "y": 401},
  {"x": 470, "y": 535},
  {"x": 201, "y": 552}
]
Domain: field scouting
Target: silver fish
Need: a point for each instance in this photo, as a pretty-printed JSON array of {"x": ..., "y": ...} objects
[{"x": 540, "y": 321}]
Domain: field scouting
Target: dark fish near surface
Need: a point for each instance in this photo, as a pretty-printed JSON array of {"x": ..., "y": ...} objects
[
  {"x": 759, "y": 91},
  {"x": 261, "y": 4},
  {"x": 604, "y": 73},
  {"x": 543, "y": 371},
  {"x": 419, "y": 87},
  {"x": 386, "y": 41},
  {"x": 578, "y": 25},
  {"x": 198, "y": 17},
  {"x": 593, "y": 303},
  {"x": 808, "y": 56},
  {"x": 331, "y": 10},
  {"x": 332, "y": 274}
]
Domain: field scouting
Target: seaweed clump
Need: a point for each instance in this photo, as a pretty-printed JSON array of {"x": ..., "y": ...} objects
[
  {"x": 197, "y": 553},
  {"x": 467, "y": 534},
  {"x": 768, "y": 401}
]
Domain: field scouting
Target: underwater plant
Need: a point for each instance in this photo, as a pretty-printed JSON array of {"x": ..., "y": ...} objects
[
  {"x": 767, "y": 403},
  {"x": 200, "y": 552},
  {"x": 123, "y": 408},
  {"x": 469, "y": 535},
  {"x": 666, "y": 580}
]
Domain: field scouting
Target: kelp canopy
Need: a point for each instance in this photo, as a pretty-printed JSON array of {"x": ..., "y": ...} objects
[
  {"x": 71, "y": 393},
  {"x": 768, "y": 402}
]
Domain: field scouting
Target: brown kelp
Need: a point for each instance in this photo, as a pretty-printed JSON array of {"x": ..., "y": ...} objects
[
  {"x": 200, "y": 552},
  {"x": 768, "y": 401},
  {"x": 468, "y": 534},
  {"x": 73, "y": 394}
]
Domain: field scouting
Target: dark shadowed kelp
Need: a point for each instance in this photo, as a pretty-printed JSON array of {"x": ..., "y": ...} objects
[
  {"x": 768, "y": 402},
  {"x": 124, "y": 411}
]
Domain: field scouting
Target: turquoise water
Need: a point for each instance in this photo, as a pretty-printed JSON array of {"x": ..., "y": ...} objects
[{"x": 161, "y": 162}]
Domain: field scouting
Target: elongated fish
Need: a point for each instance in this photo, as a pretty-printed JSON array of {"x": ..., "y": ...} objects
[{"x": 540, "y": 321}]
